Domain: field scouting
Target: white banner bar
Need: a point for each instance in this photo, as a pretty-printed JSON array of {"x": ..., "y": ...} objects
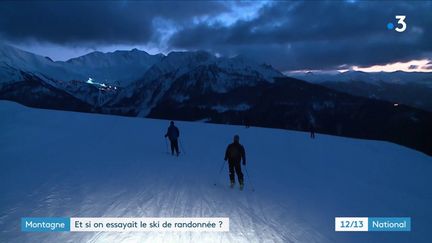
[{"x": 149, "y": 224}]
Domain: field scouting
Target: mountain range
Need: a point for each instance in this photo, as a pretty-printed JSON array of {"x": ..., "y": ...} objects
[
  {"x": 409, "y": 88},
  {"x": 200, "y": 86}
]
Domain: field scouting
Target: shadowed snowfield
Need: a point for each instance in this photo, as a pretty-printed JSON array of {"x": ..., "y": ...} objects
[{"x": 67, "y": 164}]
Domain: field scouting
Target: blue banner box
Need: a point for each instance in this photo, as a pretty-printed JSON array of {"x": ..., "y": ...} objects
[
  {"x": 45, "y": 224},
  {"x": 390, "y": 224}
]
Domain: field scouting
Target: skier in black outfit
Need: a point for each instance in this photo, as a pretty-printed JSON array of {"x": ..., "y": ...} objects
[
  {"x": 173, "y": 134},
  {"x": 235, "y": 153},
  {"x": 312, "y": 130}
]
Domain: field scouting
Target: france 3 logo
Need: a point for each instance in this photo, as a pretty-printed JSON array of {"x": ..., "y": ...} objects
[{"x": 401, "y": 24}]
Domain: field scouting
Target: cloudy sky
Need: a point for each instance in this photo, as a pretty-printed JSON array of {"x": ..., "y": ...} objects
[{"x": 290, "y": 35}]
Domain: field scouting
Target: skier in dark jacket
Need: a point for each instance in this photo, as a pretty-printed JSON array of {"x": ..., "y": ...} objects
[
  {"x": 173, "y": 134},
  {"x": 312, "y": 130},
  {"x": 235, "y": 153}
]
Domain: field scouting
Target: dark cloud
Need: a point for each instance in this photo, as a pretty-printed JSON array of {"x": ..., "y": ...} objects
[
  {"x": 115, "y": 22},
  {"x": 320, "y": 35},
  {"x": 287, "y": 34}
]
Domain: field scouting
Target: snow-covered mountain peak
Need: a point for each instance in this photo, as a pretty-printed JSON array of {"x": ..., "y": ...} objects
[
  {"x": 181, "y": 61},
  {"x": 249, "y": 67},
  {"x": 99, "y": 59},
  {"x": 178, "y": 63},
  {"x": 18, "y": 58},
  {"x": 188, "y": 58},
  {"x": 119, "y": 67},
  {"x": 14, "y": 61}
]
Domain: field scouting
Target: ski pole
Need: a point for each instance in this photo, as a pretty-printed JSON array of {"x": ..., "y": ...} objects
[
  {"x": 223, "y": 166},
  {"x": 250, "y": 181},
  {"x": 181, "y": 146},
  {"x": 167, "y": 147},
  {"x": 220, "y": 171}
]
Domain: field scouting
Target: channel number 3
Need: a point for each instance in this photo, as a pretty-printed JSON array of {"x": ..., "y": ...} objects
[{"x": 401, "y": 23}]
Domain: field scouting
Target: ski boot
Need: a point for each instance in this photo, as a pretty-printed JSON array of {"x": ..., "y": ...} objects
[
  {"x": 241, "y": 186},
  {"x": 232, "y": 184}
]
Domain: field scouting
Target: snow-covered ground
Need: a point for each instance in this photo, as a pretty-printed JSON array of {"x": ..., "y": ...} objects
[{"x": 66, "y": 164}]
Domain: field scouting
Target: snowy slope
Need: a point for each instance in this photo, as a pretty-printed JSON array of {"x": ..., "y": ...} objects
[{"x": 56, "y": 163}]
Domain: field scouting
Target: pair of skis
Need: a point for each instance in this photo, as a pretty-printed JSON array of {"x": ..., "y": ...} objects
[
  {"x": 232, "y": 184},
  {"x": 241, "y": 186},
  {"x": 232, "y": 187}
]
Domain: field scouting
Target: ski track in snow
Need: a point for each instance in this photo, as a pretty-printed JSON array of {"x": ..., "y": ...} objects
[{"x": 66, "y": 164}]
